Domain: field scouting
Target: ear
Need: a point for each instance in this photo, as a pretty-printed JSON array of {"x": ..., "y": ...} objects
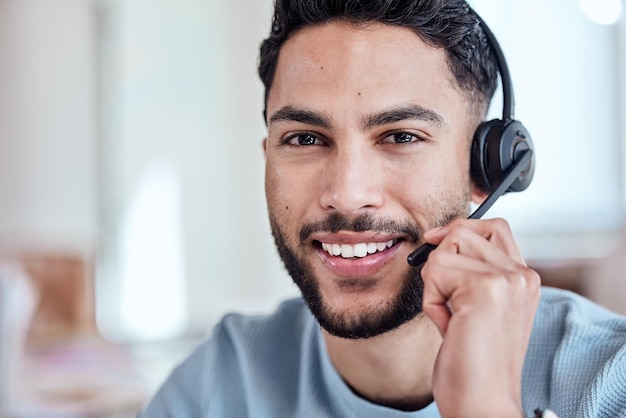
[
  {"x": 265, "y": 147},
  {"x": 478, "y": 194}
]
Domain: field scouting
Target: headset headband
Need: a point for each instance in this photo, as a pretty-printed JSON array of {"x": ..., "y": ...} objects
[{"x": 508, "y": 107}]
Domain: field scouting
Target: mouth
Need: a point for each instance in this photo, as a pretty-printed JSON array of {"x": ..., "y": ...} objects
[
  {"x": 357, "y": 250},
  {"x": 350, "y": 257}
]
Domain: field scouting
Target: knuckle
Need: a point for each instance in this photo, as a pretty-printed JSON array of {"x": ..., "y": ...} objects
[
  {"x": 459, "y": 224},
  {"x": 458, "y": 232},
  {"x": 524, "y": 281},
  {"x": 457, "y": 221},
  {"x": 523, "y": 275},
  {"x": 500, "y": 224},
  {"x": 532, "y": 279}
]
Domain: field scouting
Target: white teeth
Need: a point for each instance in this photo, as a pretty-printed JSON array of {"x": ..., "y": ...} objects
[
  {"x": 356, "y": 250},
  {"x": 347, "y": 251},
  {"x": 360, "y": 250}
]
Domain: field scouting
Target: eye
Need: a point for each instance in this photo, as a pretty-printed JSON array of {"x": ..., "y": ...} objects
[
  {"x": 303, "y": 139},
  {"x": 401, "y": 138}
]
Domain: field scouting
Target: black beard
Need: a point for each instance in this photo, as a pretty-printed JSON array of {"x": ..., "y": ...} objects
[{"x": 367, "y": 323}]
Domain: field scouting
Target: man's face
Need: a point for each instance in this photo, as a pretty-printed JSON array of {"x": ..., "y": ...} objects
[{"x": 368, "y": 146}]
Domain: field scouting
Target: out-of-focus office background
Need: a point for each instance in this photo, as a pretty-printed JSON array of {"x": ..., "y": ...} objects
[{"x": 132, "y": 214}]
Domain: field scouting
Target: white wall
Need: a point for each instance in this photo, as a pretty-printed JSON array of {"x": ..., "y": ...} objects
[
  {"x": 47, "y": 125},
  {"x": 180, "y": 90}
]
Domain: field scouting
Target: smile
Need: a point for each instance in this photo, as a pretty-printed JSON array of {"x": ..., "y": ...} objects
[{"x": 359, "y": 250}]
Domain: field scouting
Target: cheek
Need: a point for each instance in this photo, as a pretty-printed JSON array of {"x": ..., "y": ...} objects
[
  {"x": 280, "y": 187},
  {"x": 430, "y": 175},
  {"x": 454, "y": 177},
  {"x": 454, "y": 170},
  {"x": 274, "y": 193},
  {"x": 434, "y": 186},
  {"x": 287, "y": 198}
]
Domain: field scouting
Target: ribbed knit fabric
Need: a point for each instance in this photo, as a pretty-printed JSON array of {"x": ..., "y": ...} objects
[{"x": 277, "y": 366}]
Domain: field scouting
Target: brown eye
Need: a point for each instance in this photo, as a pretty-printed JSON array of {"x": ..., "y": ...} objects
[
  {"x": 304, "y": 139},
  {"x": 403, "y": 138}
]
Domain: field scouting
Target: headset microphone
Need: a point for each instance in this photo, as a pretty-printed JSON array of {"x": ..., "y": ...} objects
[
  {"x": 419, "y": 256},
  {"x": 502, "y": 153}
]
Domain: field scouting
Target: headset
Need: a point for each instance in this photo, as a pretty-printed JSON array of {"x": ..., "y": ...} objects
[{"x": 502, "y": 153}]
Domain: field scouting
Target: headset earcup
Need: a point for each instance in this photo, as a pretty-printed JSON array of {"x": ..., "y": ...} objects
[
  {"x": 495, "y": 147},
  {"x": 478, "y": 160},
  {"x": 515, "y": 140}
]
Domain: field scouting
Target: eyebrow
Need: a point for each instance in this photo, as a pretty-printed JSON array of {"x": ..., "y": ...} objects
[
  {"x": 406, "y": 112},
  {"x": 386, "y": 117},
  {"x": 294, "y": 114}
]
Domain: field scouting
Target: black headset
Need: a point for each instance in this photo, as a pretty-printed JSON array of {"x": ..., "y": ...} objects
[{"x": 498, "y": 143}]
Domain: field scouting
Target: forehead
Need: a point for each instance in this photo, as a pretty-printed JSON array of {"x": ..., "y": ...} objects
[{"x": 341, "y": 67}]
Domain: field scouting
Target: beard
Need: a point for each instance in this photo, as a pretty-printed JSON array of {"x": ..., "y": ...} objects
[{"x": 369, "y": 321}]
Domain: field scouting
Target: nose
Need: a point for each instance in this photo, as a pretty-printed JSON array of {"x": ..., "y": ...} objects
[{"x": 352, "y": 180}]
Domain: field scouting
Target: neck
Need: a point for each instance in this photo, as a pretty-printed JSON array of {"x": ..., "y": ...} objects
[{"x": 405, "y": 357}]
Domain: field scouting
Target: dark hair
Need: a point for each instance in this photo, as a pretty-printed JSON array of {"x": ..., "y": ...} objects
[{"x": 447, "y": 24}]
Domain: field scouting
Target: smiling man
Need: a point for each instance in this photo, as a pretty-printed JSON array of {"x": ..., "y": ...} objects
[
  {"x": 361, "y": 159},
  {"x": 371, "y": 109}
]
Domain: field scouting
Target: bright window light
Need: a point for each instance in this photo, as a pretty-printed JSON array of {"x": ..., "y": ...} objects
[
  {"x": 152, "y": 265},
  {"x": 604, "y": 12}
]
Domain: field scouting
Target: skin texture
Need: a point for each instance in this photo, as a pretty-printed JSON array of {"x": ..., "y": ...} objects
[{"x": 367, "y": 123}]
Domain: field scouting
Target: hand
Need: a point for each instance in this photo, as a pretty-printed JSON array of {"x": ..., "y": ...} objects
[{"x": 482, "y": 297}]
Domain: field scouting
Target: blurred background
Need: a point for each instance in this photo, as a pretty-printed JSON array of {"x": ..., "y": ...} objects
[{"x": 132, "y": 212}]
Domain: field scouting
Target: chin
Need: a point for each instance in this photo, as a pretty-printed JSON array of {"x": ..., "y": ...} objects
[{"x": 357, "y": 315}]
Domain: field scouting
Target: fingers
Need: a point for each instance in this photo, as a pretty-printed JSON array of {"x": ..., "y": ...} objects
[
  {"x": 456, "y": 284},
  {"x": 495, "y": 231},
  {"x": 477, "y": 264}
]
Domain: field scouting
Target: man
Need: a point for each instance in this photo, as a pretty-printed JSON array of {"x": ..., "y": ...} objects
[{"x": 371, "y": 108}]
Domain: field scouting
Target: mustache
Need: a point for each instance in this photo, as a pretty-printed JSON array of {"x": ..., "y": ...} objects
[{"x": 336, "y": 222}]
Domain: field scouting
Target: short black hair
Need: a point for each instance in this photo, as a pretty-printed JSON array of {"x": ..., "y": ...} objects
[{"x": 447, "y": 24}]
